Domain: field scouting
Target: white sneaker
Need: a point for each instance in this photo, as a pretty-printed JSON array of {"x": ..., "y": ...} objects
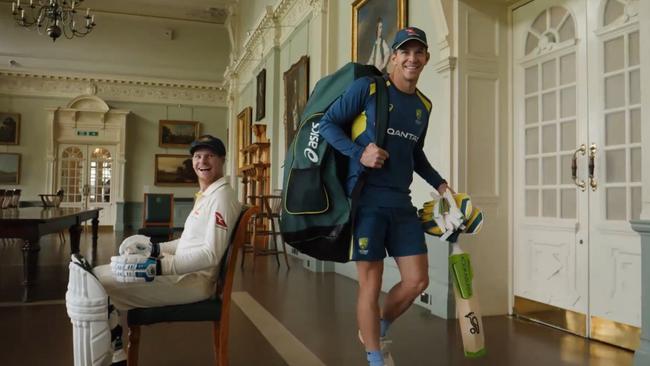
[{"x": 384, "y": 346}]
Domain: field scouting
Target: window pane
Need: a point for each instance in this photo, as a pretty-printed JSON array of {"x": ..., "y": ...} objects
[
  {"x": 531, "y": 79},
  {"x": 565, "y": 169},
  {"x": 532, "y": 202},
  {"x": 549, "y": 204},
  {"x": 614, "y": 55},
  {"x": 548, "y": 106},
  {"x": 568, "y": 69},
  {"x": 549, "y": 139},
  {"x": 568, "y": 102},
  {"x": 557, "y": 13},
  {"x": 615, "y": 128},
  {"x": 636, "y": 203},
  {"x": 568, "y": 135},
  {"x": 635, "y": 125},
  {"x": 635, "y": 87},
  {"x": 633, "y": 48},
  {"x": 532, "y": 141},
  {"x": 531, "y": 109},
  {"x": 613, "y": 10},
  {"x": 615, "y": 166},
  {"x": 614, "y": 91},
  {"x": 568, "y": 203},
  {"x": 548, "y": 74},
  {"x": 616, "y": 205},
  {"x": 567, "y": 30},
  {"x": 636, "y": 166},
  {"x": 532, "y": 171},
  {"x": 531, "y": 43},
  {"x": 539, "y": 24},
  {"x": 549, "y": 175}
]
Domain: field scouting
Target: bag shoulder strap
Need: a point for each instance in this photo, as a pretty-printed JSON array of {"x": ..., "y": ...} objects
[{"x": 381, "y": 111}]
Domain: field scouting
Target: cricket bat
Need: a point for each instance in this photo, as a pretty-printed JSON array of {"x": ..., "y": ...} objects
[{"x": 467, "y": 306}]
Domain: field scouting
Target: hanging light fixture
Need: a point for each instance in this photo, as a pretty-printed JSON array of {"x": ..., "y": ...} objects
[{"x": 57, "y": 17}]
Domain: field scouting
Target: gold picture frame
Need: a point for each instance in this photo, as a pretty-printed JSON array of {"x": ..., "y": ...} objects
[
  {"x": 296, "y": 93},
  {"x": 9, "y": 168},
  {"x": 179, "y": 134},
  {"x": 367, "y": 16},
  {"x": 174, "y": 170},
  {"x": 9, "y": 128},
  {"x": 244, "y": 134}
]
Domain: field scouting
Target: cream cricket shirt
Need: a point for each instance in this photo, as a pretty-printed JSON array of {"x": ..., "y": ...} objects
[{"x": 207, "y": 232}]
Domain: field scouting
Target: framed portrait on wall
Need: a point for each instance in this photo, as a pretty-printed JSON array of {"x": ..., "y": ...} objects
[
  {"x": 9, "y": 168},
  {"x": 9, "y": 128},
  {"x": 177, "y": 133},
  {"x": 174, "y": 170},
  {"x": 296, "y": 92},
  {"x": 374, "y": 24},
  {"x": 260, "y": 100},
  {"x": 244, "y": 133}
]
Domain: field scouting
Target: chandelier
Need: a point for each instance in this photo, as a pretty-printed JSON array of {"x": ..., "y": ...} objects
[{"x": 57, "y": 17}]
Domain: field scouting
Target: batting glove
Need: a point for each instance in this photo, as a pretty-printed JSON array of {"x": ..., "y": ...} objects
[
  {"x": 140, "y": 244},
  {"x": 134, "y": 268}
]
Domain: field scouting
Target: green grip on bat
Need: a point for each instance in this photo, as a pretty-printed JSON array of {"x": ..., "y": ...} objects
[{"x": 461, "y": 269}]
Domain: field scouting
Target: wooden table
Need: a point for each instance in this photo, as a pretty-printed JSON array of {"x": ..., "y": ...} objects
[{"x": 30, "y": 223}]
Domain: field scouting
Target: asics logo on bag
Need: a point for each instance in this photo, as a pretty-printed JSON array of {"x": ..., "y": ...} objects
[
  {"x": 402, "y": 134},
  {"x": 312, "y": 145}
]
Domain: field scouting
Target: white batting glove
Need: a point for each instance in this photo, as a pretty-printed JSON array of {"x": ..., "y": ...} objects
[
  {"x": 134, "y": 268},
  {"x": 454, "y": 218},
  {"x": 139, "y": 244}
]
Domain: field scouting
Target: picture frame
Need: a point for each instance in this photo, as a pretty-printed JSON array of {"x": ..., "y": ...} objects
[
  {"x": 9, "y": 168},
  {"x": 260, "y": 100},
  {"x": 244, "y": 134},
  {"x": 174, "y": 170},
  {"x": 177, "y": 134},
  {"x": 296, "y": 92},
  {"x": 9, "y": 128},
  {"x": 374, "y": 24}
]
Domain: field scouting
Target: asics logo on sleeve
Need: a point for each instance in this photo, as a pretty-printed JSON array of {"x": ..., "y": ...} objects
[
  {"x": 312, "y": 145},
  {"x": 402, "y": 134}
]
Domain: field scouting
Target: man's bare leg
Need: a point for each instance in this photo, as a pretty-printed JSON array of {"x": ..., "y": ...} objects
[
  {"x": 368, "y": 302},
  {"x": 414, "y": 280}
]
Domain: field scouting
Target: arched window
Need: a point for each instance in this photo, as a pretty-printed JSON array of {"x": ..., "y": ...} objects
[{"x": 551, "y": 27}]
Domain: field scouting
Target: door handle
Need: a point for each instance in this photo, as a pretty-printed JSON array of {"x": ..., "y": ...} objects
[
  {"x": 574, "y": 167},
  {"x": 592, "y": 164}
]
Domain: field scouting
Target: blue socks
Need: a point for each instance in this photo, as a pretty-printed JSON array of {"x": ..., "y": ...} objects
[
  {"x": 383, "y": 327},
  {"x": 375, "y": 358}
]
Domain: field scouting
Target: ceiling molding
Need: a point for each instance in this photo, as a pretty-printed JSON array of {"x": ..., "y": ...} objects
[{"x": 113, "y": 88}]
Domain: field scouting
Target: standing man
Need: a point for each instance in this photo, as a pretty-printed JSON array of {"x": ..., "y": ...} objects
[
  {"x": 380, "y": 53},
  {"x": 185, "y": 269},
  {"x": 386, "y": 221}
]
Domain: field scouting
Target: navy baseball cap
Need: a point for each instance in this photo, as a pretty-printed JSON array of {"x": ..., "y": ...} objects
[
  {"x": 409, "y": 33},
  {"x": 209, "y": 142}
]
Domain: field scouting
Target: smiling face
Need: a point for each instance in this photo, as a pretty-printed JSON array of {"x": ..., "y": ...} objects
[
  {"x": 208, "y": 166},
  {"x": 408, "y": 62}
]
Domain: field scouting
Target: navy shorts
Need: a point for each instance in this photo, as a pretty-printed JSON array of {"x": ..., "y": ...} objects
[{"x": 378, "y": 230}]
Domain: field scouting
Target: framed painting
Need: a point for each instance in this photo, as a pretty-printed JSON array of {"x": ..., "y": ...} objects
[
  {"x": 9, "y": 168},
  {"x": 244, "y": 133},
  {"x": 174, "y": 170},
  {"x": 260, "y": 100},
  {"x": 9, "y": 128},
  {"x": 177, "y": 133},
  {"x": 296, "y": 92},
  {"x": 374, "y": 24}
]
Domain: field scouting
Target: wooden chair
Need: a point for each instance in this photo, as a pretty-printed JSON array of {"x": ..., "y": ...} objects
[
  {"x": 158, "y": 216},
  {"x": 270, "y": 215},
  {"x": 216, "y": 310}
]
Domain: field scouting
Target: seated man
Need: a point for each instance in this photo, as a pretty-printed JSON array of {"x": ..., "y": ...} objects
[{"x": 186, "y": 268}]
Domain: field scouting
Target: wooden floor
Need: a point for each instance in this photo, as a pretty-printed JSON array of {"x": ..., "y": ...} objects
[{"x": 281, "y": 316}]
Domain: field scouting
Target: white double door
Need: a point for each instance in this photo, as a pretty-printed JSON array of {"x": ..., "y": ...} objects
[
  {"x": 84, "y": 174},
  {"x": 576, "y": 93}
]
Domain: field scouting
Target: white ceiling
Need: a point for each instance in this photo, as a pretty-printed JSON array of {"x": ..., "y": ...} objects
[{"x": 212, "y": 11}]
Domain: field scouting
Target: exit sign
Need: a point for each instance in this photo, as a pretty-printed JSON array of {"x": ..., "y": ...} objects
[{"x": 87, "y": 133}]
